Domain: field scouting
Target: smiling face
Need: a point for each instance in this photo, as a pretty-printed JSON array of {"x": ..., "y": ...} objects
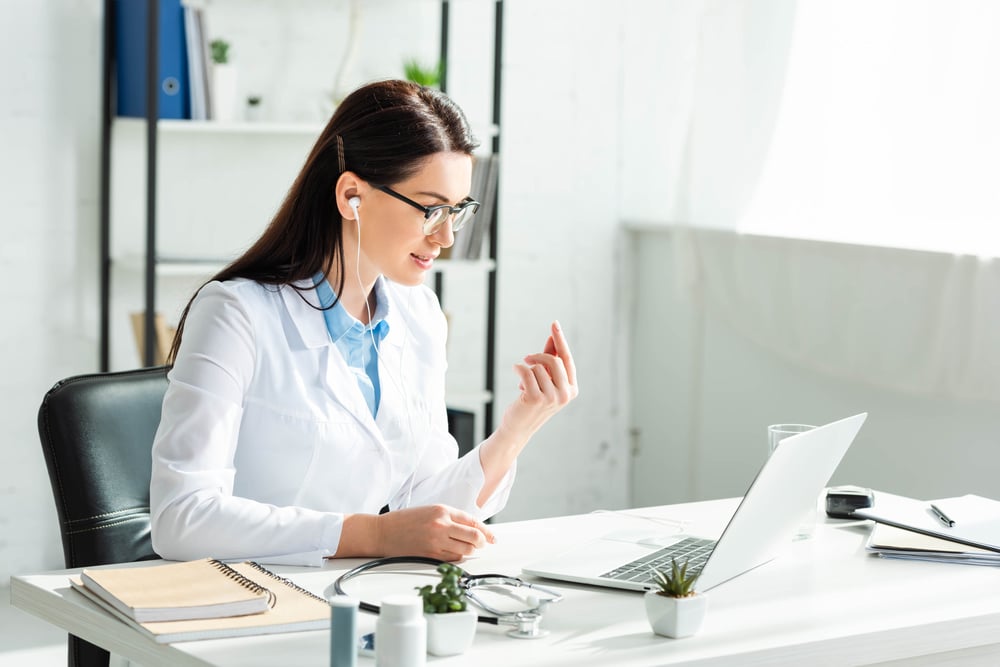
[{"x": 393, "y": 242}]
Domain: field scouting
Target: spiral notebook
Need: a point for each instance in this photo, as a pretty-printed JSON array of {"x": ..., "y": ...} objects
[
  {"x": 290, "y": 608},
  {"x": 178, "y": 591}
]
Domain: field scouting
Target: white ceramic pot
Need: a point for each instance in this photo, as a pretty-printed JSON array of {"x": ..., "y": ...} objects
[
  {"x": 253, "y": 113},
  {"x": 224, "y": 77},
  {"x": 451, "y": 633},
  {"x": 675, "y": 617}
]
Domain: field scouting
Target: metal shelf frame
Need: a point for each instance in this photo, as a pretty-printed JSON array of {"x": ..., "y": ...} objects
[{"x": 152, "y": 122}]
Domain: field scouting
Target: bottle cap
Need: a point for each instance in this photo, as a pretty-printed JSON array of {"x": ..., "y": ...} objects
[
  {"x": 402, "y": 607},
  {"x": 343, "y": 601}
]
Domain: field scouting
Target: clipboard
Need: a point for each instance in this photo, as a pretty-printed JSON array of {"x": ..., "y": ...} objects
[{"x": 977, "y": 519}]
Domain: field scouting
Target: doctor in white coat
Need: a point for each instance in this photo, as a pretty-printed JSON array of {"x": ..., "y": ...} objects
[{"x": 307, "y": 382}]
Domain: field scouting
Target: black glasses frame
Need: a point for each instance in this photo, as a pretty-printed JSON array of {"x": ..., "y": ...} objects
[{"x": 430, "y": 212}]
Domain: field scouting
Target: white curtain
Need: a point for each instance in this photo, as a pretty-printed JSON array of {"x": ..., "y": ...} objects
[{"x": 836, "y": 195}]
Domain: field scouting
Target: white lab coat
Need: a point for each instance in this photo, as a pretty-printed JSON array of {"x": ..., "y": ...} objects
[{"x": 266, "y": 441}]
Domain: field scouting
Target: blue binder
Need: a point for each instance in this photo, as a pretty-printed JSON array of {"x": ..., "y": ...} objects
[{"x": 130, "y": 67}]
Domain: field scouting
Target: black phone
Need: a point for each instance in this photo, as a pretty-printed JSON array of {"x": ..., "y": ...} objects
[{"x": 841, "y": 501}]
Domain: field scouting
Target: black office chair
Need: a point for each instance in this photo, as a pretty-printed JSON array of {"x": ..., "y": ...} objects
[{"x": 97, "y": 436}]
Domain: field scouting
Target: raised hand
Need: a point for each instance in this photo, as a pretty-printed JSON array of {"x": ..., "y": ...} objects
[{"x": 548, "y": 383}]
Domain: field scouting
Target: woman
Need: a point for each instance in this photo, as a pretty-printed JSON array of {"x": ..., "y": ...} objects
[{"x": 307, "y": 387}]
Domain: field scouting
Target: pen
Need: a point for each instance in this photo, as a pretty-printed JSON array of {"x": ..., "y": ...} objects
[{"x": 942, "y": 516}]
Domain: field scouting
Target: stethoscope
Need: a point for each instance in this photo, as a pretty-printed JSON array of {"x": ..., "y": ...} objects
[{"x": 526, "y": 622}]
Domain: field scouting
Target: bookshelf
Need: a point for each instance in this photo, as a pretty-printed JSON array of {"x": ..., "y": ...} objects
[{"x": 138, "y": 156}]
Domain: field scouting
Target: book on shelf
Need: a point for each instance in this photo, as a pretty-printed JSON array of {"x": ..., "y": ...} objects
[
  {"x": 290, "y": 608},
  {"x": 130, "y": 44},
  {"x": 198, "y": 61},
  {"x": 470, "y": 240},
  {"x": 163, "y": 336},
  {"x": 178, "y": 591}
]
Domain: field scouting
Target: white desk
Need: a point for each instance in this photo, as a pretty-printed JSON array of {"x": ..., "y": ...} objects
[{"x": 823, "y": 602}]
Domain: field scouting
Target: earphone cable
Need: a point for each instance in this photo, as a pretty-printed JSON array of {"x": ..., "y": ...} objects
[{"x": 400, "y": 384}]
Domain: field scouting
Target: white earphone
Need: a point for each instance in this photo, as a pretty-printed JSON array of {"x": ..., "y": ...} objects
[{"x": 354, "y": 203}]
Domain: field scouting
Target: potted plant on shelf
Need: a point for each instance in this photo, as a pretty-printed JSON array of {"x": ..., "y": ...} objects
[
  {"x": 424, "y": 76},
  {"x": 676, "y": 609},
  {"x": 253, "y": 108},
  {"x": 223, "y": 81},
  {"x": 451, "y": 625}
]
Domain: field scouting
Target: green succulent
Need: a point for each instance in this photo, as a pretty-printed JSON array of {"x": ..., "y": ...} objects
[
  {"x": 676, "y": 583},
  {"x": 447, "y": 596},
  {"x": 220, "y": 51}
]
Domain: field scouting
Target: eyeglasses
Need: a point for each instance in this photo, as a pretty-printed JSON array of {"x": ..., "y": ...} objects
[{"x": 435, "y": 216}]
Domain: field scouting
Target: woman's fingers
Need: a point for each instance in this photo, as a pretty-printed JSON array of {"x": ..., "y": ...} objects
[
  {"x": 529, "y": 382},
  {"x": 561, "y": 347},
  {"x": 537, "y": 383},
  {"x": 554, "y": 365},
  {"x": 556, "y": 356},
  {"x": 550, "y": 346},
  {"x": 469, "y": 529},
  {"x": 557, "y": 383},
  {"x": 436, "y": 531},
  {"x": 465, "y": 536}
]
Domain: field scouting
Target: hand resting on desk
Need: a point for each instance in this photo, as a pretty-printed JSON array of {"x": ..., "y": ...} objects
[{"x": 433, "y": 531}]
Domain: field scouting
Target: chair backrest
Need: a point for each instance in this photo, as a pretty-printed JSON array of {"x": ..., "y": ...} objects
[{"x": 97, "y": 435}]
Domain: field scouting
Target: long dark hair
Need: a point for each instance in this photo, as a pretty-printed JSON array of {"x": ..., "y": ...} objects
[{"x": 383, "y": 132}]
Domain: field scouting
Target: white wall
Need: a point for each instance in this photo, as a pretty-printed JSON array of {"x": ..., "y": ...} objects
[
  {"x": 559, "y": 237},
  {"x": 705, "y": 387},
  {"x": 908, "y": 336},
  {"x": 48, "y": 260}
]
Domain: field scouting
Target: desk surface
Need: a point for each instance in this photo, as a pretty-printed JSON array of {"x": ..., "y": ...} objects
[{"x": 823, "y": 602}]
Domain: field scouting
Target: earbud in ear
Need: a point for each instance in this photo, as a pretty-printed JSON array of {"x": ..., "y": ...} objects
[{"x": 354, "y": 203}]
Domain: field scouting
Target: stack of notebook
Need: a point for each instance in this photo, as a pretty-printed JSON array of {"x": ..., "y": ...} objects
[
  {"x": 965, "y": 529},
  {"x": 203, "y": 599}
]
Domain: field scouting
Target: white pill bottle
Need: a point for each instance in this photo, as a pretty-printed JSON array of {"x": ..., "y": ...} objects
[{"x": 401, "y": 632}]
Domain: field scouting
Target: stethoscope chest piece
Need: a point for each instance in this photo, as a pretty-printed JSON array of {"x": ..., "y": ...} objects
[{"x": 528, "y": 625}]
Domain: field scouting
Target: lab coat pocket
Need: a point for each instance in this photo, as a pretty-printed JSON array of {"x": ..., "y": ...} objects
[
  {"x": 348, "y": 470},
  {"x": 324, "y": 463},
  {"x": 402, "y": 414}
]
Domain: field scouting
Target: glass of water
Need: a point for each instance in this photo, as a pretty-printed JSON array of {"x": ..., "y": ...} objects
[
  {"x": 778, "y": 432},
  {"x": 775, "y": 434}
]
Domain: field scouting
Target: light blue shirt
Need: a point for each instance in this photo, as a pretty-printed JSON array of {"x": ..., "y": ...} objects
[{"x": 358, "y": 344}]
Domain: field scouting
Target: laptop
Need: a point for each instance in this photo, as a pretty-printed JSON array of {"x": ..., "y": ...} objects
[{"x": 765, "y": 521}]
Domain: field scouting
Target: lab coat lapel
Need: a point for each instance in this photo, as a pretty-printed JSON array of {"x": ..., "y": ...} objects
[
  {"x": 391, "y": 405},
  {"x": 302, "y": 305},
  {"x": 339, "y": 379}
]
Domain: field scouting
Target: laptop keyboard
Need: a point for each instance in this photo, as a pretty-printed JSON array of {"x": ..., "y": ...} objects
[{"x": 695, "y": 550}]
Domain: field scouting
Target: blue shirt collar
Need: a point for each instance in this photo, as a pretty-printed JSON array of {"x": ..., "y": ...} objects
[{"x": 340, "y": 323}]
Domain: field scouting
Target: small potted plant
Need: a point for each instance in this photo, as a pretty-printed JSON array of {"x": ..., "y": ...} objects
[
  {"x": 424, "y": 76},
  {"x": 253, "y": 107},
  {"x": 675, "y": 609},
  {"x": 223, "y": 81},
  {"x": 451, "y": 625}
]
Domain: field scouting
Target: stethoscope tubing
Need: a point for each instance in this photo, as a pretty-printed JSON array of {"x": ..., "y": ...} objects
[
  {"x": 338, "y": 585},
  {"x": 467, "y": 581}
]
